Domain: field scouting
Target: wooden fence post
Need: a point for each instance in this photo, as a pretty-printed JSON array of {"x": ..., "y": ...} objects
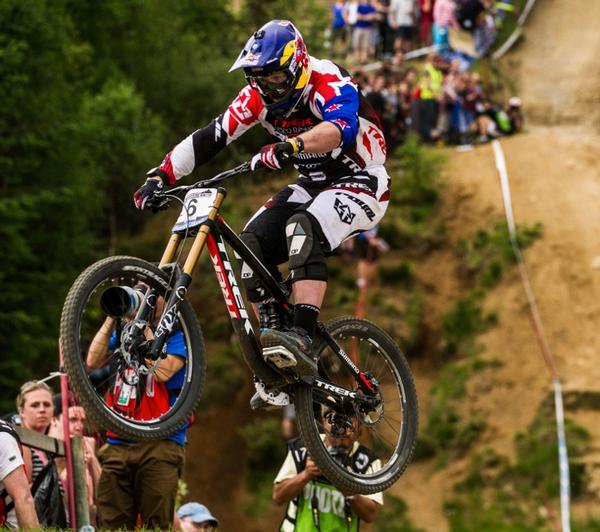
[{"x": 82, "y": 510}]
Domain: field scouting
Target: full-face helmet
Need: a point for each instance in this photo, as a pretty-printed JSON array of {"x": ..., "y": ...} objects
[{"x": 277, "y": 65}]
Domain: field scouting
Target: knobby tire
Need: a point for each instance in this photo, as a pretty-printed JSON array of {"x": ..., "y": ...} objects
[
  {"x": 74, "y": 357},
  {"x": 309, "y": 430}
]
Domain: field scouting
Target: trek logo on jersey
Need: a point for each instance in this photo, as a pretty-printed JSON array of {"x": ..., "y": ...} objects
[
  {"x": 344, "y": 212},
  {"x": 334, "y": 107},
  {"x": 342, "y": 123}
]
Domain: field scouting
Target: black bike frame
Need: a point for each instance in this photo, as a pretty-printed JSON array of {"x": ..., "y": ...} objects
[
  {"x": 251, "y": 349},
  {"x": 216, "y": 233}
]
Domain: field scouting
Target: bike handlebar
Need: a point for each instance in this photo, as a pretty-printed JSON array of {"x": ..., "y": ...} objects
[
  {"x": 207, "y": 183},
  {"x": 164, "y": 199},
  {"x": 243, "y": 168}
]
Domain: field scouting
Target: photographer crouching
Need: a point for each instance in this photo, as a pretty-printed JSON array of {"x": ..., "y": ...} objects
[{"x": 313, "y": 503}]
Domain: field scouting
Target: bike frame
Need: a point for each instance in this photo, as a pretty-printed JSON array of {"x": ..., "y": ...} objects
[{"x": 214, "y": 233}]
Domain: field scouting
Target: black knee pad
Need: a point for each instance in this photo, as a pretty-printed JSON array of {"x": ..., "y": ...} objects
[
  {"x": 307, "y": 259},
  {"x": 256, "y": 292}
]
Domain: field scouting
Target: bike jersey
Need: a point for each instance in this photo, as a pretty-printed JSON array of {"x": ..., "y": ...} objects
[
  {"x": 320, "y": 505},
  {"x": 331, "y": 95}
]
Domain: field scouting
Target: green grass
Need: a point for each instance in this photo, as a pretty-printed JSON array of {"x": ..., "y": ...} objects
[
  {"x": 504, "y": 496},
  {"x": 413, "y": 317},
  {"x": 401, "y": 274},
  {"x": 447, "y": 433},
  {"x": 488, "y": 253},
  {"x": 225, "y": 372},
  {"x": 265, "y": 454},
  {"x": 483, "y": 260},
  {"x": 464, "y": 322},
  {"x": 416, "y": 188},
  {"x": 591, "y": 524}
]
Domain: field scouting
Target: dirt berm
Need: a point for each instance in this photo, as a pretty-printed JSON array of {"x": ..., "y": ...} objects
[{"x": 555, "y": 179}]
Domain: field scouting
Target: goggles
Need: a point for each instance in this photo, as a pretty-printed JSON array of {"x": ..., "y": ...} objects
[{"x": 275, "y": 85}]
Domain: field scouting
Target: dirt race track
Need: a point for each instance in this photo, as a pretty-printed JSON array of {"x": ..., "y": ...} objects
[{"x": 554, "y": 171}]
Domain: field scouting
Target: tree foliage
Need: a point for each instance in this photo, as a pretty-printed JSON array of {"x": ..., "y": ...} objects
[{"x": 93, "y": 95}]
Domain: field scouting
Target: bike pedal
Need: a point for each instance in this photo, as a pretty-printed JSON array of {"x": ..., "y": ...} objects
[
  {"x": 263, "y": 398},
  {"x": 280, "y": 356}
]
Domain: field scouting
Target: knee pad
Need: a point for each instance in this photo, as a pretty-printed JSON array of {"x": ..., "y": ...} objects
[
  {"x": 254, "y": 290},
  {"x": 307, "y": 259}
]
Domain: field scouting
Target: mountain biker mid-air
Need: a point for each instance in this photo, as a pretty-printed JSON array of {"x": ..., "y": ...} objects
[{"x": 331, "y": 135}]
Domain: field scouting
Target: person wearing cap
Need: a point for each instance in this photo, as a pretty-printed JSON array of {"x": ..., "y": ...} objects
[
  {"x": 194, "y": 516},
  {"x": 515, "y": 114}
]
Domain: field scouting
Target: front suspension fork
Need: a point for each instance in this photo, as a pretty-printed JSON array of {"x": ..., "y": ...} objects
[{"x": 169, "y": 317}]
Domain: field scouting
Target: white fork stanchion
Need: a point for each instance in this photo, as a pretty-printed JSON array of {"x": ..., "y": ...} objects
[{"x": 563, "y": 459}]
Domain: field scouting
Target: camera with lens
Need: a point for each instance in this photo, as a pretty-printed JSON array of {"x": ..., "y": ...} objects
[{"x": 122, "y": 301}]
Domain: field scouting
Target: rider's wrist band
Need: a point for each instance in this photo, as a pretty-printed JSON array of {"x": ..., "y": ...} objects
[
  {"x": 158, "y": 173},
  {"x": 297, "y": 143}
]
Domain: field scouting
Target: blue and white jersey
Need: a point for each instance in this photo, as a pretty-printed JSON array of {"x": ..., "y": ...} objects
[{"x": 331, "y": 96}]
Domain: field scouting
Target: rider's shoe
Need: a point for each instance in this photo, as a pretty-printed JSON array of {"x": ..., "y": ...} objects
[{"x": 290, "y": 348}]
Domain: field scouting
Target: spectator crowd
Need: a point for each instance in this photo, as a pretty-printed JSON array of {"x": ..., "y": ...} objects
[
  {"x": 440, "y": 98},
  {"x": 364, "y": 30},
  {"x": 34, "y": 483}
]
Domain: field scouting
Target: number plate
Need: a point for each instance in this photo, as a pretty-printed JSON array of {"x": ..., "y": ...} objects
[{"x": 197, "y": 204}]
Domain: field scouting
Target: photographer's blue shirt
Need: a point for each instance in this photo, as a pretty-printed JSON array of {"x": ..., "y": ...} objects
[{"x": 175, "y": 346}]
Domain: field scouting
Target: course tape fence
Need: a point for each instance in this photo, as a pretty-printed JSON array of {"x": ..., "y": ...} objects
[
  {"x": 514, "y": 36},
  {"x": 538, "y": 327},
  {"x": 498, "y": 53}
]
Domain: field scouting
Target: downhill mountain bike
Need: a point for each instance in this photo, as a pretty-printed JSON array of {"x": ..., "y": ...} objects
[{"x": 364, "y": 383}]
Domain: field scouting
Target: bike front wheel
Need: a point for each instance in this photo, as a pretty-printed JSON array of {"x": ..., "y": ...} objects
[
  {"x": 360, "y": 451},
  {"x": 155, "y": 408}
]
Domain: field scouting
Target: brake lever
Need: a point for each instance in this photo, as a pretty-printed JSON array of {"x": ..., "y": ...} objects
[{"x": 160, "y": 202}]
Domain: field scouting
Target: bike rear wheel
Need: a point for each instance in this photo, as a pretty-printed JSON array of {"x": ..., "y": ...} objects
[
  {"x": 390, "y": 433},
  {"x": 82, "y": 316}
]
